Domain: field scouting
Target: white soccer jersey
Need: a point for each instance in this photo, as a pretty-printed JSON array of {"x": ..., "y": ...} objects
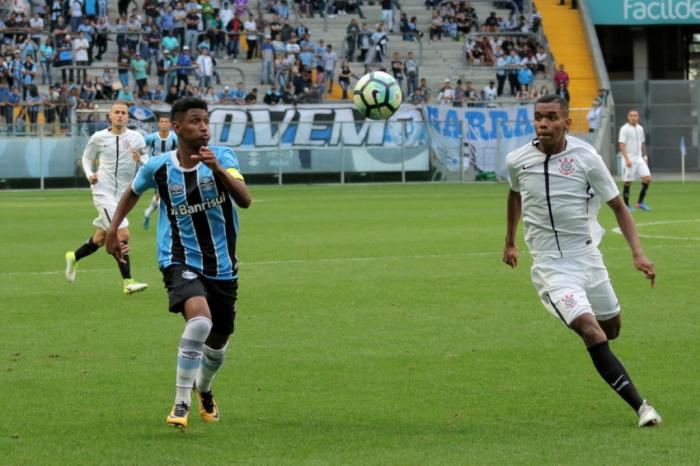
[
  {"x": 561, "y": 197},
  {"x": 117, "y": 167},
  {"x": 633, "y": 138}
]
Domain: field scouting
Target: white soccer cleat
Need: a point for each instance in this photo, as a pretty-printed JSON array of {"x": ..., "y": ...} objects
[
  {"x": 132, "y": 286},
  {"x": 648, "y": 417},
  {"x": 71, "y": 266}
]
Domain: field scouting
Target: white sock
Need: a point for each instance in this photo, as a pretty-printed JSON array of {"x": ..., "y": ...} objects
[
  {"x": 151, "y": 207},
  {"x": 211, "y": 363},
  {"x": 189, "y": 357}
]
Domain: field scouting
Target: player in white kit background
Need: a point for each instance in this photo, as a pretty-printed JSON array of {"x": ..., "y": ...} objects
[
  {"x": 635, "y": 159},
  {"x": 117, "y": 152},
  {"x": 557, "y": 183}
]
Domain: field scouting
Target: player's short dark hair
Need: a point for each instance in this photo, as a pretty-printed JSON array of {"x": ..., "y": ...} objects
[
  {"x": 164, "y": 115},
  {"x": 181, "y": 106},
  {"x": 553, "y": 98}
]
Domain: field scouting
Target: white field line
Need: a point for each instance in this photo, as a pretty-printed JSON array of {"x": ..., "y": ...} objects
[
  {"x": 664, "y": 222},
  {"x": 329, "y": 260}
]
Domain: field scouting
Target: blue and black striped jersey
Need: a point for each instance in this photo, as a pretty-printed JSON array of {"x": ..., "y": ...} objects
[
  {"x": 157, "y": 145},
  {"x": 198, "y": 221}
]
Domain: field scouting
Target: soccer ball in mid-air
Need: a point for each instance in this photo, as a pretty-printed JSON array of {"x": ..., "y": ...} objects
[{"x": 377, "y": 95}]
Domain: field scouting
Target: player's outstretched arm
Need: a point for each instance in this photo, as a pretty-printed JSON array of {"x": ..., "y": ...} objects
[
  {"x": 236, "y": 187},
  {"x": 629, "y": 230},
  {"x": 515, "y": 206},
  {"x": 112, "y": 243}
]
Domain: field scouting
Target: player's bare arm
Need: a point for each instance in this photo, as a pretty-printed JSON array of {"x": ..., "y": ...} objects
[
  {"x": 510, "y": 252},
  {"x": 623, "y": 150},
  {"x": 629, "y": 230},
  {"x": 236, "y": 187},
  {"x": 112, "y": 243}
]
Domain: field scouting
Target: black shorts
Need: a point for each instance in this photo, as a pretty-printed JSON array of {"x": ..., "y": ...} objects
[{"x": 184, "y": 283}]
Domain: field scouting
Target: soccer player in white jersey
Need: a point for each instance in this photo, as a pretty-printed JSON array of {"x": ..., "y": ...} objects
[
  {"x": 557, "y": 183},
  {"x": 634, "y": 153},
  {"x": 117, "y": 151},
  {"x": 159, "y": 142}
]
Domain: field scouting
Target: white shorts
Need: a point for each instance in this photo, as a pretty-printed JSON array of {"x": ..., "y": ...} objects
[
  {"x": 106, "y": 204},
  {"x": 639, "y": 169},
  {"x": 571, "y": 287}
]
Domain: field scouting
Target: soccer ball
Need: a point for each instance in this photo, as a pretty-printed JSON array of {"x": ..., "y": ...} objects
[{"x": 377, "y": 95}]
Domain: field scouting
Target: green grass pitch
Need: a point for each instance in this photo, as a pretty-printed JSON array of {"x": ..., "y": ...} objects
[{"x": 377, "y": 325}]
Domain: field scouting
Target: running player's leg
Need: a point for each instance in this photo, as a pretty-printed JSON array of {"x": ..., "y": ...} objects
[
  {"x": 645, "y": 174},
  {"x": 152, "y": 207},
  {"x": 91, "y": 245},
  {"x": 222, "y": 300},
  {"x": 187, "y": 295}
]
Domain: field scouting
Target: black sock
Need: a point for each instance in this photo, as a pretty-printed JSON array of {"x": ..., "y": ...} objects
[
  {"x": 87, "y": 248},
  {"x": 626, "y": 194},
  {"x": 614, "y": 373},
  {"x": 125, "y": 267},
  {"x": 643, "y": 192}
]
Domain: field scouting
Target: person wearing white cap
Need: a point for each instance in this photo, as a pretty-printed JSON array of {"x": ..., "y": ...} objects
[{"x": 446, "y": 94}]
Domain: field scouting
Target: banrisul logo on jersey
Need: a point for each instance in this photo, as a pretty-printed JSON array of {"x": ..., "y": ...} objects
[
  {"x": 566, "y": 166},
  {"x": 186, "y": 209}
]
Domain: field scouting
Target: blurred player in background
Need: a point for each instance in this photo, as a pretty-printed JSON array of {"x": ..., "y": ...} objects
[
  {"x": 634, "y": 153},
  {"x": 158, "y": 142},
  {"x": 557, "y": 183},
  {"x": 200, "y": 188},
  {"x": 117, "y": 152}
]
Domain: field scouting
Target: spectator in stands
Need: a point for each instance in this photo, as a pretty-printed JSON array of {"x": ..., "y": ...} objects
[
  {"x": 88, "y": 28},
  {"x": 541, "y": 58},
  {"x": 210, "y": 96},
  {"x": 29, "y": 72},
  {"x": 397, "y": 69},
  {"x": 416, "y": 98},
  {"x": 180, "y": 24},
  {"x": 33, "y": 105},
  {"x": 184, "y": 64},
  {"x": 471, "y": 95},
  {"x": 133, "y": 30},
  {"x": 76, "y": 14},
  {"x": 88, "y": 92},
  {"x": 205, "y": 67},
  {"x": 388, "y": 13},
  {"x": 64, "y": 51},
  {"x": 329, "y": 61},
  {"x": 513, "y": 62},
  {"x": 251, "y": 30},
  {"x": 233, "y": 31},
  {"x": 238, "y": 94},
  {"x": 410, "y": 67},
  {"x": 561, "y": 77},
  {"x": 252, "y": 97},
  {"x": 344, "y": 78},
  {"x": 491, "y": 23},
  {"x": 542, "y": 92},
  {"x": 36, "y": 27},
  {"x": 318, "y": 83},
  {"x": 144, "y": 96},
  {"x": 594, "y": 116},
  {"x": 267, "y": 51},
  {"x": 425, "y": 90},
  {"x": 46, "y": 57},
  {"x": 80, "y": 54},
  {"x": 102, "y": 30},
  {"x": 436, "y": 26},
  {"x": 525, "y": 78},
  {"x": 446, "y": 94},
  {"x": 490, "y": 93},
  {"x": 501, "y": 72},
  {"x": 125, "y": 94},
  {"x": 563, "y": 92},
  {"x": 165, "y": 74},
  {"x": 138, "y": 68},
  {"x": 173, "y": 95},
  {"x": 158, "y": 94},
  {"x": 288, "y": 94},
  {"x": 379, "y": 41},
  {"x": 352, "y": 38},
  {"x": 458, "y": 95},
  {"x": 5, "y": 107},
  {"x": 108, "y": 80},
  {"x": 272, "y": 96}
]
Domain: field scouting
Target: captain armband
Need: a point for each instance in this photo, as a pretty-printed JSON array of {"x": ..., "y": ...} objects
[{"x": 235, "y": 173}]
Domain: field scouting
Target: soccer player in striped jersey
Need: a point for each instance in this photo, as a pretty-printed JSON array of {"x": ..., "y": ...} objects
[
  {"x": 557, "y": 183},
  {"x": 117, "y": 151},
  {"x": 200, "y": 187},
  {"x": 158, "y": 142}
]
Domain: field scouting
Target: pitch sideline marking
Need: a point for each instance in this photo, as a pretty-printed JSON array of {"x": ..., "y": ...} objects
[
  {"x": 663, "y": 222},
  {"x": 334, "y": 259}
]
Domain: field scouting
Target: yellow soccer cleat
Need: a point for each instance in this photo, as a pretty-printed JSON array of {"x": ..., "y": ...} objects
[
  {"x": 71, "y": 266},
  {"x": 207, "y": 406},
  {"x": 132, "y": 286},
  {"x": 178, "y": 416}
]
